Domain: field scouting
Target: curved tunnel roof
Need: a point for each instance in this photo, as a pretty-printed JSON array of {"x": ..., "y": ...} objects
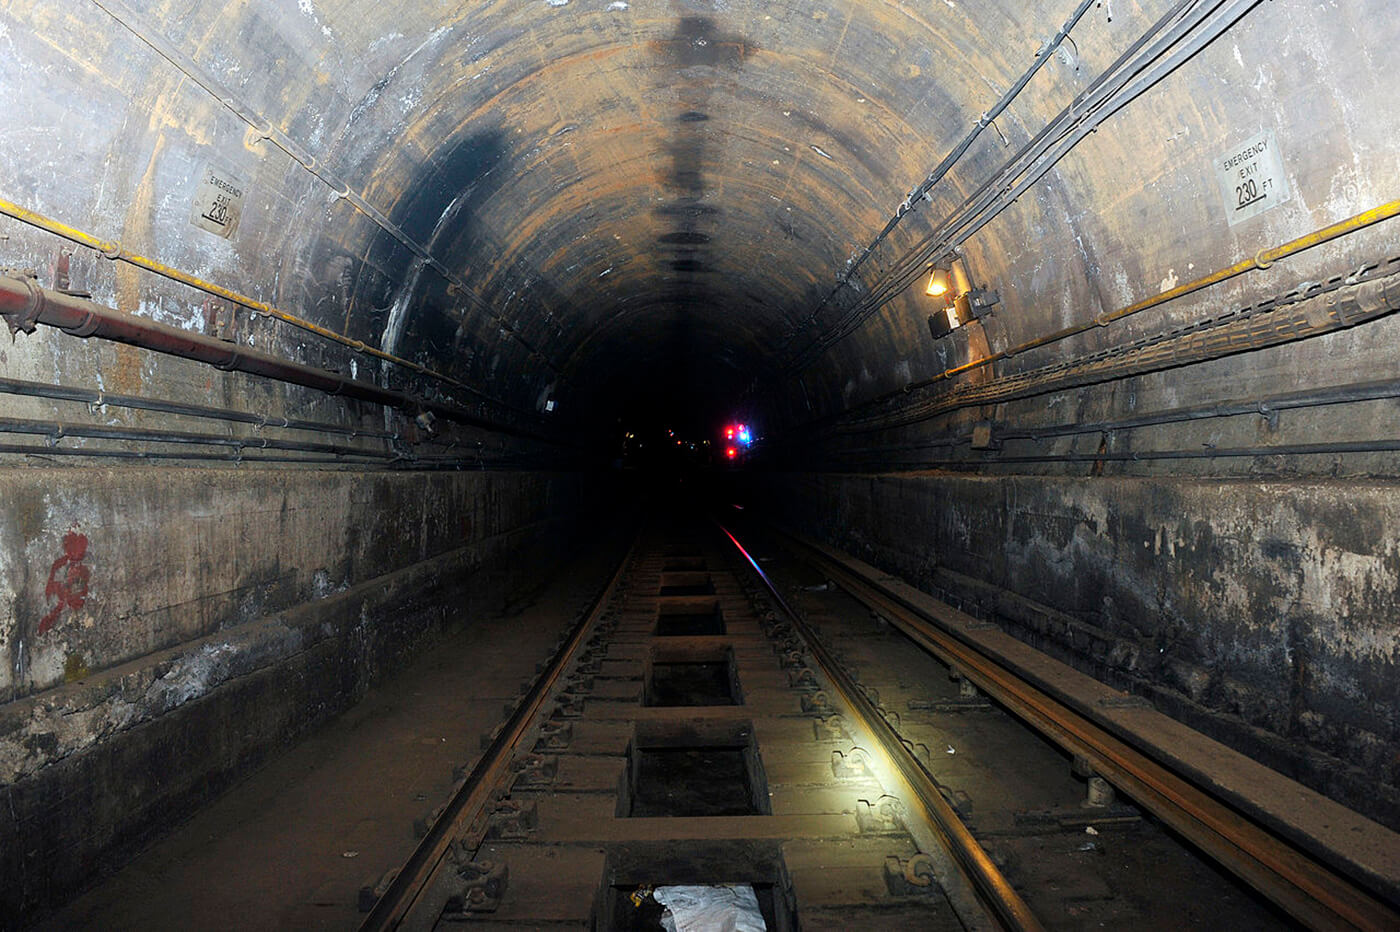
[
  {"x": 660, "y": 194},
  {"x": 600, "y": 201},
  {"x": 646, "y": 171}
]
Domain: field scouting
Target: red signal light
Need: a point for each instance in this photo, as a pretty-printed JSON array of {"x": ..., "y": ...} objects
[{"x": 731, "y": 452}]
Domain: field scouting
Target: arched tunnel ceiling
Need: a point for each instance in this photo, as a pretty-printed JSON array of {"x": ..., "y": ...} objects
[
  {"x": 678, "y": 184},
  {"x": 656, "y": 200},
  {"x": 652, "y": 194}
]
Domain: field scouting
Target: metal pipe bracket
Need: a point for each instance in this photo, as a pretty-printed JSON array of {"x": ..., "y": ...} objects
[{"x": 27, "y": 317}]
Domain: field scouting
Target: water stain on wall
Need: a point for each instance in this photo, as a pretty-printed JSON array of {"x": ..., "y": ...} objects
[{"x": 125, "y": 373}]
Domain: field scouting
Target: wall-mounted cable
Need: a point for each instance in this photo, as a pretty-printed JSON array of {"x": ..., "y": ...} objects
[
  {"x": 911, "y": 201},
  {"x": 1174, "y": 39},
  {"x": 115, "y": 251},
  {"x": 137, "y": 24}
]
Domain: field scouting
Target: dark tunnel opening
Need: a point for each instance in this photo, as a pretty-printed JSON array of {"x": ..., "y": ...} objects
[{"x": 598, "y": 397}]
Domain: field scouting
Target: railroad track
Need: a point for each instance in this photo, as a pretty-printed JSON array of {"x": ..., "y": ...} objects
[{"x": 700, "y": 725}]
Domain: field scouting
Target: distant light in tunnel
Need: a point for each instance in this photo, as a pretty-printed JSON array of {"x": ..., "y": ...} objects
[{"x": 739, "y": 435}]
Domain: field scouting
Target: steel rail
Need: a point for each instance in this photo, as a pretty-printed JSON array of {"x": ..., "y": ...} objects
[
  {"x": 1306, "y": 889},
  {"x": 415, "y": 877},
  {"x": 993, "y": 891}
]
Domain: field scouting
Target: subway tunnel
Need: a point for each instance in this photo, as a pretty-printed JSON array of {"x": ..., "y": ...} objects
[{"x": 346, "y": 335}]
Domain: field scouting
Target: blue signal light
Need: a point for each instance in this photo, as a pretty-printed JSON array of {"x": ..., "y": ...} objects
[{"x": 738, "y": 434}]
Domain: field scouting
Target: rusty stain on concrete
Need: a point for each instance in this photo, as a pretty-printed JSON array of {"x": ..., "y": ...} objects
[
  {"x": 75, "y": 668},
  {"x": 125, "y": 374}
]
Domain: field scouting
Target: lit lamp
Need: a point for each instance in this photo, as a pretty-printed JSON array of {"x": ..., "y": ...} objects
[
  {"x": 942, "y": 284},
  {"x": 961, "y": 300},
  {"x": 938, "y": 284}
]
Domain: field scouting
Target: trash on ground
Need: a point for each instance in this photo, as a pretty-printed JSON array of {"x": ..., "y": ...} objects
[{"x": 719, "y": 908}]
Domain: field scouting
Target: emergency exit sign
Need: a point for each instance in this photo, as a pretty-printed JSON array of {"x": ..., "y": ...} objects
[
  {"x": 218, "y": 201},
  {"x": 1251, "y": 177}
]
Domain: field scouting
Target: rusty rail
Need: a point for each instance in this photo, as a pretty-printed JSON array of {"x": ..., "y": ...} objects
[
  {"x": 984, "y": 879},
  {"x": 405, "y": 893},
  {"x": 1307, "y": 889}
]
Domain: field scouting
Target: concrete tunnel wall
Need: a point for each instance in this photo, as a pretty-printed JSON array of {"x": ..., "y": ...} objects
[
  {"x": 563, "y": 214},
  {"x": 1258, "y": 612},
  {"x": 207, "y": 622}
]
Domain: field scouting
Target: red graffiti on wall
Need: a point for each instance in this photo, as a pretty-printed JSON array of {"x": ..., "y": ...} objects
[{"x": 68, "y": 579}]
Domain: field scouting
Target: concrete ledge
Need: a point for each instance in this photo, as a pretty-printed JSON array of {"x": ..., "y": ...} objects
[
  {"x": 98, "y": 767},
  {"x": 1112, "y": 660},
  {"x": 1260, "y": 612},
  {"x": 105, "y": 566},
  {"x": 1337, "y": 835}
]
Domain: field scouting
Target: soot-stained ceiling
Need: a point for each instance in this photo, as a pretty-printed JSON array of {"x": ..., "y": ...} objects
[
  {"x": 670, "y": 206},
  {"x": 674, "y": 186}
]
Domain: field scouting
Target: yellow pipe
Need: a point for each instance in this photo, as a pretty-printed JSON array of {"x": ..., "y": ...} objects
[
  {"x": 1262, "y": 260},
  {"x": 62, "y": 229},
  {"x": 113, "y": 250},
  {"x": 1267, "y": 257}
]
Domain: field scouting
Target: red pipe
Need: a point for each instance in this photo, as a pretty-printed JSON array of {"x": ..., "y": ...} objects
[{"x": 23, "y": 304}]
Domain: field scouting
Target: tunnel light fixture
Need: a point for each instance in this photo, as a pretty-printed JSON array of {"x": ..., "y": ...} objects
[
  {"x": 939, "y": 283},
  {"x": 962, "y": 301},
  {"x": 950, "y": 282},
  {"x": 944, "y": 321},
  {"x": 962, "y": 281}
]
